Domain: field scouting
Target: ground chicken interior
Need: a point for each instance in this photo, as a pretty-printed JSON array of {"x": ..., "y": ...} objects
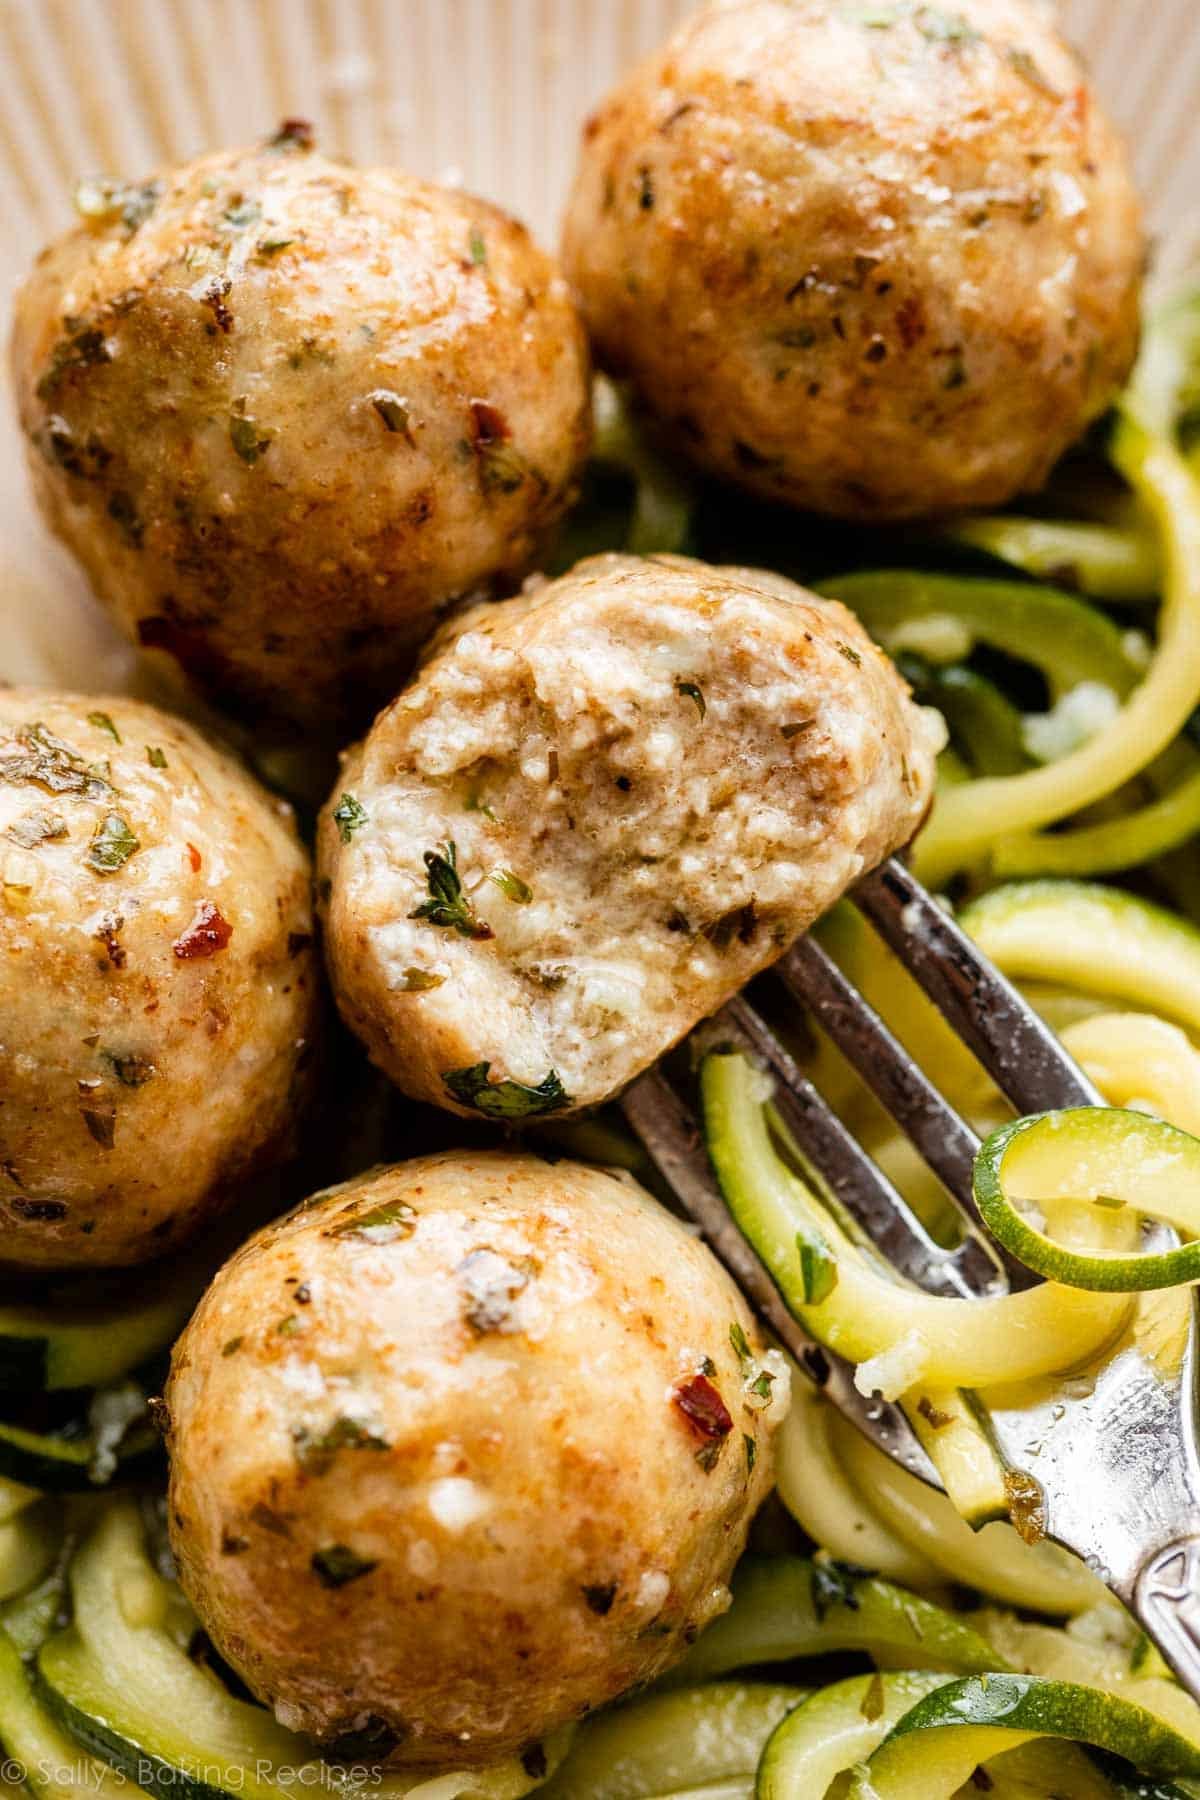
[{"x": 596, "y": 813}]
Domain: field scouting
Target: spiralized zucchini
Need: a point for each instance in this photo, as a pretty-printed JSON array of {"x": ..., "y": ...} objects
[
  {"x": 1112, "y": 1160},
  {"x": 902, "y": 1338},
  {"x": 1110, "y": 562},
  {"x": 968, "y": 818},
  {"x": 850, "y": 1661}
]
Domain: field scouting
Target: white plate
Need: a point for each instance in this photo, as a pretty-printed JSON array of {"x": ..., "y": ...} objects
[{"x": 492, "y": 91}]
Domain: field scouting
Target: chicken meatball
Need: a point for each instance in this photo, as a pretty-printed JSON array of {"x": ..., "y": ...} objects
[
  {"x": 878, "y": 261},
  {"x": 156, "y": 980},
  {"x": 284, "y": 411},
  {"x": 598, "y": 812},
  {"x": 463, "y": 1449}
]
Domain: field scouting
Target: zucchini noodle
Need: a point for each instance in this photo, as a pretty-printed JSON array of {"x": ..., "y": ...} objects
[
  {"x": 968, "y": 818},
  {"x": 1124, "y": 843},
  {"x": 944, "y": 1738},
  {"x": 880, "y": 1643},
  {"x": 900, "y": 1336},
  {"x": 1097, "y": 940},
  {"x": 1113, "y": 1160},
  {"x": 997, "y": 820},
  {"x": 1110, "y": 562}
]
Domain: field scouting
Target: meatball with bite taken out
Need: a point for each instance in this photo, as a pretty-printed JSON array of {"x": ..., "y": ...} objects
[
  {"x": 464, "y": 1449},
  {"x": 879, "y": 261},
  {"x": 286, "y": 411},
  {"x": 157, "y": 984},
  {"x": 595, "y": 814}
]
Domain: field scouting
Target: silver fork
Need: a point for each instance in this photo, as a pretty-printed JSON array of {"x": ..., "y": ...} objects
[{"x": 1117, "y": 1463}]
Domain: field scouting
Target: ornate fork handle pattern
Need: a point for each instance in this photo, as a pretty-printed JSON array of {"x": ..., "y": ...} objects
[{"x": 1166, "y": 1601}]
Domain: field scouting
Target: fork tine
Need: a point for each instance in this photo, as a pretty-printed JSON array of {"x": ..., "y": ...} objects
[
  {"x": 1019, "y": 1052},
  {"x": 856, "y": 1182},
  {"x": 944, "y": 1140},
  {"x": 674, "y": 1142}
]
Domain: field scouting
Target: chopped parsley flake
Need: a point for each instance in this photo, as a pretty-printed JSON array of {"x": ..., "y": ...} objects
[
  {"x": 349, "y": 817},
  {"x": 385, "y": 1224},
  {"x": 849, "y": 652},
  {"x": 316, "y": 1454},
  {"x": 393, "y": 411},
  {"x": 477, "y": 244},
  {"x": 155, "y": 757},
  {"x": 505, "y": 1099},
  {"x": 250, "y": 439},
  {"x": 511, "y": 886},
  {"x": 112, "y": 845},
  {"x": 1027, "y": 68},
  {"x": 37, "y": 828},
  {"x": 690, "y": 691},
  {"x": 37, "y": 756},
  {"x": 103, "y": 722},
  {"x": 419, "y": 981},
  {"x": 818, "y": 1270},
  {"x": 946, "y": 27},
  {"x": 757, "y": 1379},
  {"x": 836, "y": 1584},
  {"x": 448, "y": 906},
  {"x": 337, "y": 1564},
  {"x": 105, "y": 202}
]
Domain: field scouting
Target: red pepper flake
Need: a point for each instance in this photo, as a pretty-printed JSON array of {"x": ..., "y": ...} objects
[
  {"x": 194, "y": 858},
  {"x": 207, "y": 933},
  {"x": 488, "y": 424},
  {"x": 703, "y": 1408}
]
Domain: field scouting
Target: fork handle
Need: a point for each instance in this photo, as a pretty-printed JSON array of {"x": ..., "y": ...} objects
[
  {"x": 1166, "y": 1603},
  {"x": 1126, "y": 1495}
]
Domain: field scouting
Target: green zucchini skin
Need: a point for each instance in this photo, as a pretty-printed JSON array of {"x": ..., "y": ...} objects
[
  {"x": 69, "y": 1339},
  {"x": 31, "y": 1739},
  {"x": 786, "y": 1608},
  {"x": 56, "y": 1465},
  {"x": 102, "y": 1739},
  {"x": 948, "y": 1731}
]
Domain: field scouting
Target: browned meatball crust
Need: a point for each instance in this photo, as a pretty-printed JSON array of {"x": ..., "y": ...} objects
[
  {"x": 879, "y": 261},
  {"x": 464, "y": 1449},
  {"x": 284, "y": 411},
  {"x": 157, "y": 984}
]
